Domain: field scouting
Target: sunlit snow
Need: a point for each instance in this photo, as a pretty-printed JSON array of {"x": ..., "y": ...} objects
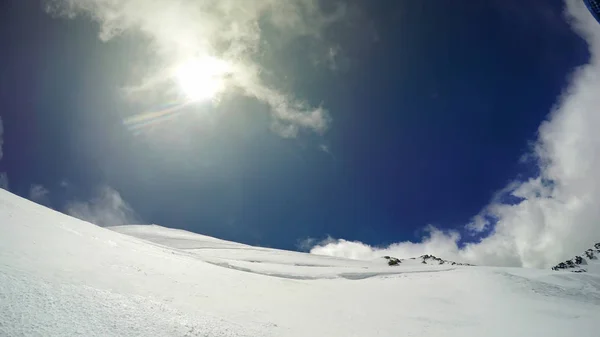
[{"x": 64, "y": 277}]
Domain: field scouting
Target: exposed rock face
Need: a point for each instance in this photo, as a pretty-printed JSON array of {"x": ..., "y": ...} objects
[
  {"x": 580, "y": 263},
  {"x": 430, "y": 259},
  {"x": 424, "y": 259},
  {"x": 392, "y": 261}
]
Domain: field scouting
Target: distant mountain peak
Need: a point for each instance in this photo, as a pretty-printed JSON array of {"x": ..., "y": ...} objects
[
  {"x": 423, "y": 259},
  {"x": 581, "y": 263}
]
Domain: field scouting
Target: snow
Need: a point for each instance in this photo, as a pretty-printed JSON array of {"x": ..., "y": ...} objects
[{"x": 64, "y": 277}]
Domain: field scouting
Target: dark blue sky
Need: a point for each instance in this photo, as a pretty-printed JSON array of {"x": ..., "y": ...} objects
[{"x": 431, "y": 112}]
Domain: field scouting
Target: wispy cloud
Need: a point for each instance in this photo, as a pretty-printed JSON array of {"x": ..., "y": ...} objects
[
  {"x": 233, "y": 30},
  {"x": 308, "y": 243},
  {"x": 106, "y": 209},
  {"x": 1, "y": 139},
  {"x": 557, "y": 213},
  {"x": 3, "y": 175},
  {"x": 39, "y": 194},
  {"x": 3, "y": 180}
]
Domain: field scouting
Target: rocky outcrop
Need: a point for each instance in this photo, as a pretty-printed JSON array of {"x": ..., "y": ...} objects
[
  {"x": 579, "y": 263},
  {"x": 430, "y": 259},
  {"x": 392, "y": 261},
  {"x": 424, "y": 259}
]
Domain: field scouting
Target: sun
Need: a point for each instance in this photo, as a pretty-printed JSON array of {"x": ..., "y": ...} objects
[{"x": 202, "y": 78}]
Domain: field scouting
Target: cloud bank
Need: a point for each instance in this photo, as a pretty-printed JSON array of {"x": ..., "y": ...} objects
[
  {"x": 106, "y": 209},
  {"x": 39, "y": 194},
  {"x": 557, "y": 213},
  {"x": 238, "y": 31}
]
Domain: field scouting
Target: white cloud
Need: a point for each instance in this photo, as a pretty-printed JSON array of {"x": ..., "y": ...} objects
[
  {"x": 39, "y": 194},
  {"x": 332, "y": 57},
  {"x": 558, "y": 214},
  {"x": 233, "y": 30},
  {"x": 435, "y": 242},
  {"x": 324, "y": 148},
  {"x": 106, "y": 209}
]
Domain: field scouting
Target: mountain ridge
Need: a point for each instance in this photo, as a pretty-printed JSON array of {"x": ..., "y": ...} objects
[
  {"x": 586, "y": 262},
  {"x": 423, "y": 259}
]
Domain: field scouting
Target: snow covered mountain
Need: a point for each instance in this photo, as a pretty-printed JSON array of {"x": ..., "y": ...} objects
[
  {"x": 586, "y": 262},
  {"x": 60, "y": 276},
  {"x": 423, "y": 259}
]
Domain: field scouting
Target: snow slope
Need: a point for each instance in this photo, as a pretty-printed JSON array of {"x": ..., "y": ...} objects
[
  {"x": 267, "y": 261},
  {"x": 63, "y": 277}
]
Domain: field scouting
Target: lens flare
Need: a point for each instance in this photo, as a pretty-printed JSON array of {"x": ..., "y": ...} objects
[
  {"x": 148, "y": 120},
  {"x": 198, "y": 79}
]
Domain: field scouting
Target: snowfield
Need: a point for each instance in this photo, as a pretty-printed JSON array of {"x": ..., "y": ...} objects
[{"x": 60, "y": 276}]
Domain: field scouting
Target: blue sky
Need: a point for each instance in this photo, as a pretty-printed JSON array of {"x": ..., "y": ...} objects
[{"x": 420, "y": 113}]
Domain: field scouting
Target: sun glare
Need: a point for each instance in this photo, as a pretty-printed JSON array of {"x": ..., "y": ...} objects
[{"x": 202, "y": 78}]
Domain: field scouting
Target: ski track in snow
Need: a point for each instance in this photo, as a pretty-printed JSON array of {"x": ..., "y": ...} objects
[{"x": 63, "y": 277}]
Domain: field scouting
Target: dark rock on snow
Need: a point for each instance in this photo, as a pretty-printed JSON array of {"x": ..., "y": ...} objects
[
  {"x": 575, "y": 264},
  {"x": 425, "y": 259}
]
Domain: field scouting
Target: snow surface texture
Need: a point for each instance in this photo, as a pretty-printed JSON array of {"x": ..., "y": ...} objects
[
  {"x": 586, "y": 262},
  {"x": 64, "y": 277}
]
